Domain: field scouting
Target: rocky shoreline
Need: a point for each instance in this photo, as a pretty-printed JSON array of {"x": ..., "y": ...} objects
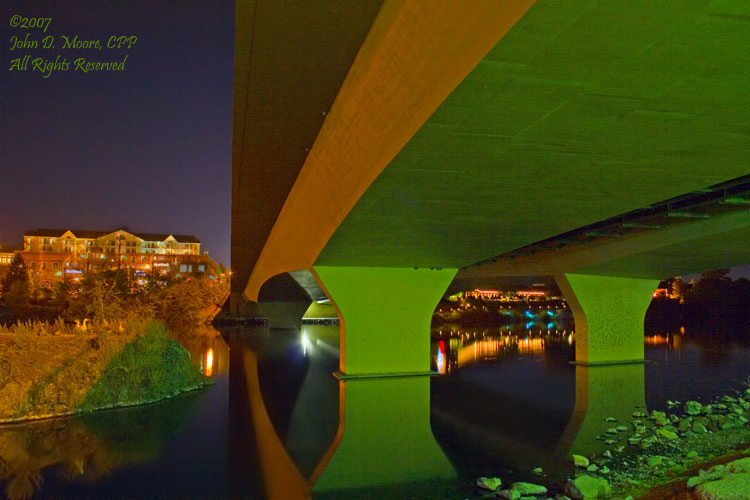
[{"x": 692, "y": 451}]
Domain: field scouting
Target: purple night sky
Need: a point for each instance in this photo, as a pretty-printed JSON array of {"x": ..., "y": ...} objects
[{"x": 148, "y": 147}]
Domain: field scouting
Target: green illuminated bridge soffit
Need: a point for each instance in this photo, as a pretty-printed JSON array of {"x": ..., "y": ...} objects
[{"x": 584, "y": 111}]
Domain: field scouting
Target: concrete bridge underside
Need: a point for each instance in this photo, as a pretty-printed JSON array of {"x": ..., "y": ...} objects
[{"x": 376, "y": 138}]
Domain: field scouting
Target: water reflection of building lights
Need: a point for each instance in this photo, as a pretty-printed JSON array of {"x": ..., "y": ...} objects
[{"x": 209, "y": 362}]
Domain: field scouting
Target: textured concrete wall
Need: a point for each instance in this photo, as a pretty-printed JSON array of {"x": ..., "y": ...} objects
[
  {"x": 608, "y": 314},
  {"x": 385, "y": 316}
]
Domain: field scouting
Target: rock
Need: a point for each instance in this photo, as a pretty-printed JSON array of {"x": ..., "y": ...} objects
[
  {"x": 592, "y": 468},
  {"x": 610, "y": 419},
  {"x": 587, "y": 487},
  {"x": 693, "y": 408},
  {"x": 607, "y": 454},
  {"x": 732, "y": 487},
  {"x": 621, "y": 428},
  {"x": 528, "y": 488},
  {"x": 703, "y": 476},
  {"x": 741, "y": 465},
  {"x": 580, "y": 461},
  {"x": 732, "y": 422},
  {"x": 509, "y": 494},
  {"x": 699, "y": 427},
  {"x": 604, "y": 469},
  {"x": 489, "y": 483},
  {"x": 666, "y": 434},
  {"x": 654, "y": 460},
  {"x": 612, "y": 430},
  {"x": 684, "y": 424}
]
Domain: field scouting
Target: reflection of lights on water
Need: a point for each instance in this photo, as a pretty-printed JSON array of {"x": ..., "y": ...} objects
[
  {"x": 209, "y": 362},
  {"x": 305, "y": 343},
  {"x": 570, "y": 339},
  {"x": 441, "y": 358}
]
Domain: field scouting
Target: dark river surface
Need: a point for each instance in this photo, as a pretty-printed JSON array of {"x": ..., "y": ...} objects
[{"x": 505, "y": 402}]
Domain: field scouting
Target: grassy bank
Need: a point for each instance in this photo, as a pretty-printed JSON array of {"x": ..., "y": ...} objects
[{"x": 52, "y": 369}]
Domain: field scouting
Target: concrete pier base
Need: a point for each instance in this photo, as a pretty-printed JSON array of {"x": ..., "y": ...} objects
[{"x": 608, "y": 314}]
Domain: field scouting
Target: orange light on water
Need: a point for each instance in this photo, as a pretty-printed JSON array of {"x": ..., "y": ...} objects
[{"x": 209, "y": 362}]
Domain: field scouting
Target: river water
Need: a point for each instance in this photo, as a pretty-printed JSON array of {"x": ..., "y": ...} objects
[{"x": 506, "y": 401}]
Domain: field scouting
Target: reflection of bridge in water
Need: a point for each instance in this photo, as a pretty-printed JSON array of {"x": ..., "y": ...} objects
[{"x": 389, "y": 423}]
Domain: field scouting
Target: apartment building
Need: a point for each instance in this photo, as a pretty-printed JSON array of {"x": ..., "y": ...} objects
[{"x": 53, "y": 254}]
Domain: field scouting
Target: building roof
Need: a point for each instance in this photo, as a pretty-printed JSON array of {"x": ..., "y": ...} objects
[
  {"x": 182, "y": 238},
  {"x": 9, "y": 248},
  {"x": 82, "y": 233}
]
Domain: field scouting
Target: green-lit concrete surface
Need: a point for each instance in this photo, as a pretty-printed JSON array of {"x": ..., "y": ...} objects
[
  {"x": 602, "y": 392},
  {"x": 583, "y": 111},
  {"x": 702, "y": 253},
  {"x": 386, "y": 315},
  {"x": 321, "y": 311},
  {"x": 689, "y": 247},
  {"x": 383, "y": 439},
  {"x": 608, "y": 314}
]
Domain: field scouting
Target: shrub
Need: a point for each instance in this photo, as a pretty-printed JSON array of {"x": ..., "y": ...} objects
[{"x": 150, "y": 368}]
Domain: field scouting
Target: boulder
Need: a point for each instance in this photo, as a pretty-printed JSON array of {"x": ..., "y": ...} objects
[
  {"x": 731, "y": 487},
  {"x": 587, "y": 487},
  {"x": 741, "y": 465},
  {"x": 693, "y": 408},
  {"x": 580, "y": 461},
  {"x": 528, "y": 488},
  {"x": 489, "y": 483},
  {"x": 509, "y": 494}
]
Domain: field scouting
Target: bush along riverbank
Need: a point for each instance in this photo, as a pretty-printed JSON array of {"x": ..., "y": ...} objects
[
  {"x": 55, "y": 369},
  {"x": 694, "y": 451}
]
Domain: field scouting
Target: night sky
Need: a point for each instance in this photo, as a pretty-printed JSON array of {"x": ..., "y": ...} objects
[{"x": 147, "y": 147}]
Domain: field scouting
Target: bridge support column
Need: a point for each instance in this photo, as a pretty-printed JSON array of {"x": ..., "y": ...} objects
[
  {"x": 608, "y": 313},
  {"x": 385, "y": 317}
]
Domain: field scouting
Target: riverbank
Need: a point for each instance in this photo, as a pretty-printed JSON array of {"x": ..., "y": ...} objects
[
  {"x": 694, "y": 451},
  {"x": 55, "y": 369}
]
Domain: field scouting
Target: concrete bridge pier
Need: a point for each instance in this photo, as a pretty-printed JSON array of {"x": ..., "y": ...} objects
[
  {"x": 385, "y": 315},
  {"x": 608, "y": 313}
]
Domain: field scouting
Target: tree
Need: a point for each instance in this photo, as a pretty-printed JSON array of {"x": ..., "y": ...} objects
[
  {"x": 18, "y": 295},
  {"x": 680, "y": 289},
  {"x": 18, "y": 272}
]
